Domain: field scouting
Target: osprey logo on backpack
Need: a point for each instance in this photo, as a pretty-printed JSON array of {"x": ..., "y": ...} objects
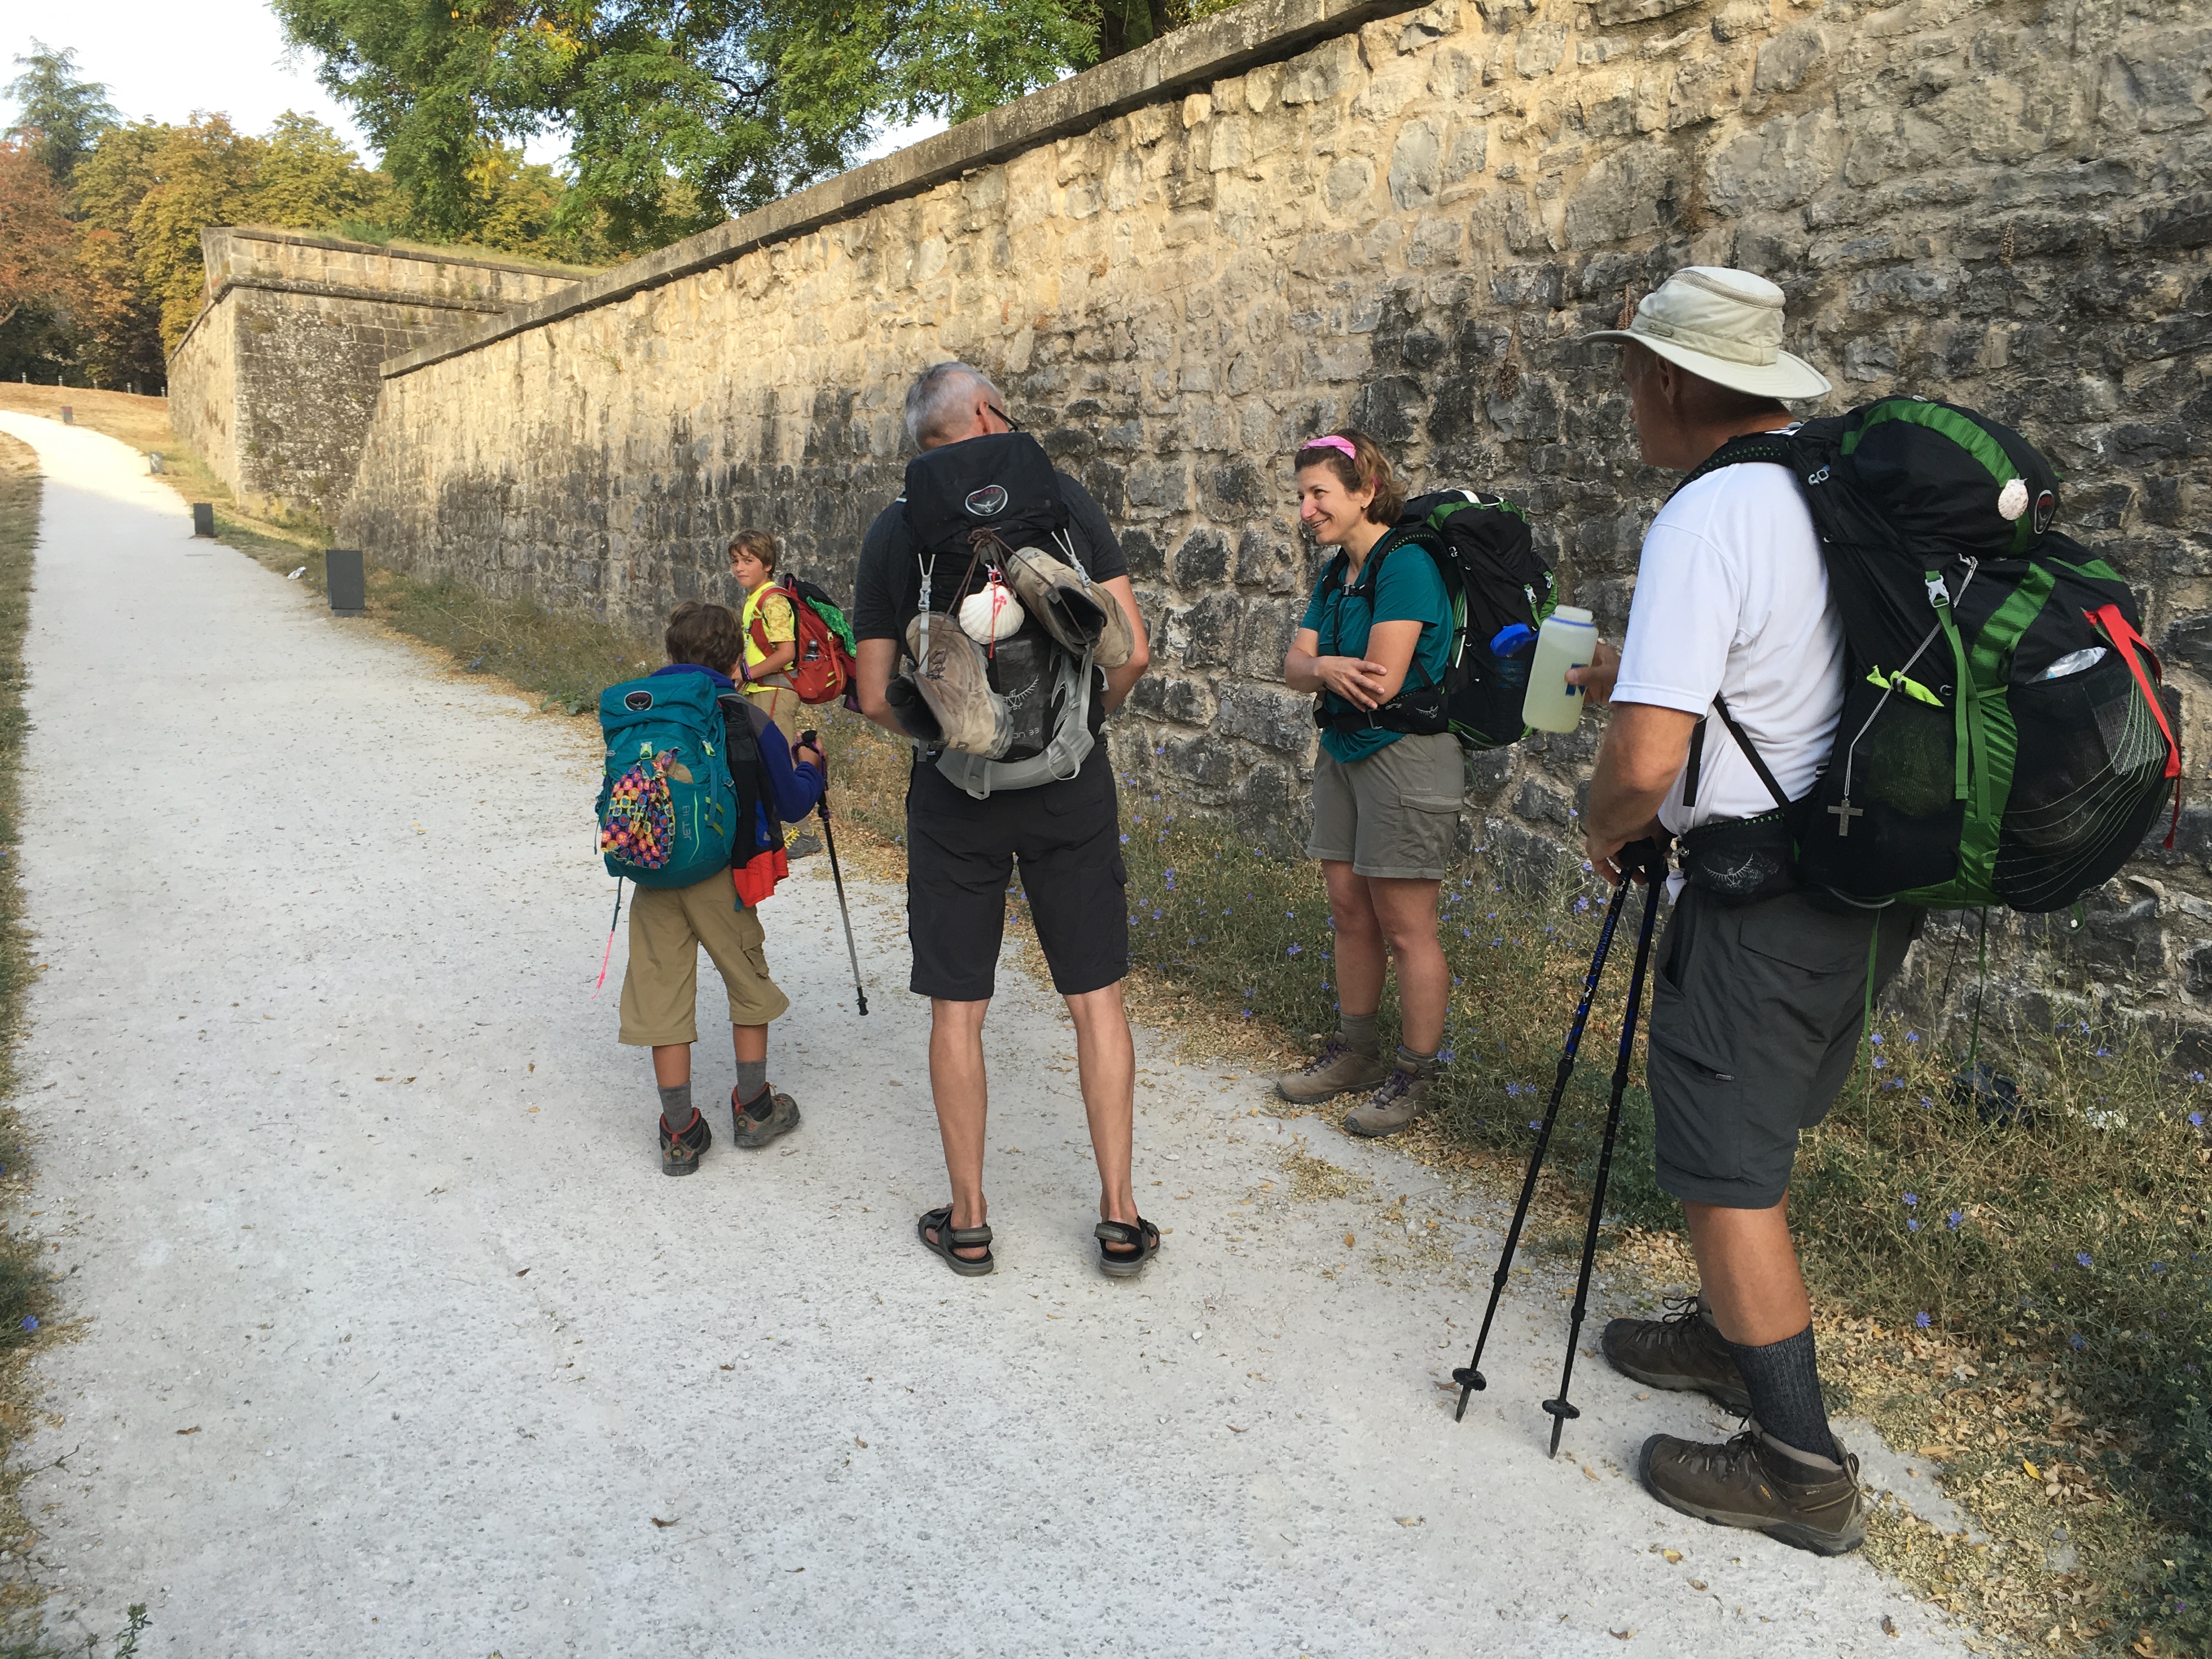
[{"x": 988, "y": 502}]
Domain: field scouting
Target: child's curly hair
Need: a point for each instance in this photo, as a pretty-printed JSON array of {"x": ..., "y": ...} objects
[{"x": 704, "y": 634}]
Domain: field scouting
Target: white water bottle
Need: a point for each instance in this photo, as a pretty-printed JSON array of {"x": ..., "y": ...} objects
[{"x": 1567, "y": 639}]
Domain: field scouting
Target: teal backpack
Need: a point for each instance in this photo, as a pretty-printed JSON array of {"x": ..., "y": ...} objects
[{"x": 667, "y": 808}]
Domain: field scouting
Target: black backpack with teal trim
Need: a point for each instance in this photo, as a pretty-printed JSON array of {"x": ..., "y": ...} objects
[{"x": 2006, "y": 737}]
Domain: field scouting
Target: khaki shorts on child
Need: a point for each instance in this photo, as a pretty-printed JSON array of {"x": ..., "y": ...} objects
[{"x": 660, "y": 987}]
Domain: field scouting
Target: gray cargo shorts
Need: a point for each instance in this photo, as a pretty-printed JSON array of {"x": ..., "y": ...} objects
[
  {"x": 1756, "y": 1013},
  {"x": 1393, "y": 814}
]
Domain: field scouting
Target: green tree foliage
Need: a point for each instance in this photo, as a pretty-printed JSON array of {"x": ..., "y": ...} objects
[
  {"x": 678, "y": 112},
  {"x": 200, "y": 174},
  {"x": 60, "y": 116},
  {"x": 118, "y": 321}
]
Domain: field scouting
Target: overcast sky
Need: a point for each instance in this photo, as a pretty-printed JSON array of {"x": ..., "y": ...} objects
[{"x": 165, "y": 61}]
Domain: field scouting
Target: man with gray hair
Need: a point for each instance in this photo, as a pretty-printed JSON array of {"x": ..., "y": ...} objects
[
  {"x": 1757, "y": 1005},
  {"x": 963, "y": 847}
]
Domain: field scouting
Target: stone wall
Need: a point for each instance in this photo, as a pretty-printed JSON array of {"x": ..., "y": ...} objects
[
  {"x": 1249, "y": 236},
  {"x": 274, "y": 383}
]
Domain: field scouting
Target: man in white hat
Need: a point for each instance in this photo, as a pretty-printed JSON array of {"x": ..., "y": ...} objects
[{"x": 1757, "y": 998}]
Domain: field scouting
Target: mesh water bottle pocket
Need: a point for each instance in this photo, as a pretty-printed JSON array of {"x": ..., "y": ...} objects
[
  {"x": 2097, "y": 780},
  {"x": 1885, "y": 817}
]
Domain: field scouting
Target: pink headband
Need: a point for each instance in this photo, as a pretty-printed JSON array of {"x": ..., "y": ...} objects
[{"x": 1333, "y": 442}]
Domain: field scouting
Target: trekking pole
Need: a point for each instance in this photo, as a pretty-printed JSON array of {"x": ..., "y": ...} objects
[
  {"x": 1655, "y": 869},
  {"x": 829, "y": 845},
  {"x": 1470, "y": 1376}
]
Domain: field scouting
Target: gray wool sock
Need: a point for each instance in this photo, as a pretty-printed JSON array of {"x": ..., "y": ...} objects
[
  {"x": 752, "y": 1081},
  {"x": 1783, "y": 1380},
  {"x": 675, "y": 1107},
  {"x": 1420, "y": 1065},
  {"x": 1356, "y": 1033}
]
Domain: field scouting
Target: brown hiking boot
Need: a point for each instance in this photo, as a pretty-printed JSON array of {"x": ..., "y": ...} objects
[
  {"x": 1335, "y": 1071},
  {"x": 1756, "y": 1482},
  {"x": 1400, "y": 1099},
  {"x": 1685, "y": 1350},
  {"x": 749, "y": 1131}
]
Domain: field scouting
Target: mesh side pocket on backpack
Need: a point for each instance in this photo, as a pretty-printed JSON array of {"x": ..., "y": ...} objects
[
  {"x": 1885, "y": 817},
  {"x": 2098, "y": 780}
]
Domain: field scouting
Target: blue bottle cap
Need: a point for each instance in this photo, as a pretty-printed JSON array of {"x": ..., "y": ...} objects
[{"x": 1512, "y": 639}]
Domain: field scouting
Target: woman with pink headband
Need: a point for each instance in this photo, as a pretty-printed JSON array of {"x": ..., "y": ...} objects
[{"x": 1386, "y": 800}]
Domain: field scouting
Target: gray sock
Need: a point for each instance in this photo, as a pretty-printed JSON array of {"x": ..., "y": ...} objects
[
  {"x": 1419, "y": 1065},
  {"x": 675, "y": 1107},
  {"x": 752, "y": 1082},
  {"x": 1784, "y": 1379},
  {"x": 1356, "y": 1033}
]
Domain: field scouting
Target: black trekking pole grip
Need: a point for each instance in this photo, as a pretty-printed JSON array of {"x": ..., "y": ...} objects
[
  {"x": 1470, "y": 1376},
  {"x": 1654, "y": 864}
]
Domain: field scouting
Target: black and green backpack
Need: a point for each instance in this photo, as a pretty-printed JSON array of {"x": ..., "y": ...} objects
[
  {"x": 2005, "y": 738},
  {"x": 1497, "y": 583}
]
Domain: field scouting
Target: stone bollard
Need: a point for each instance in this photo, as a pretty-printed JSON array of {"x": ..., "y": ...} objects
[
  {"x": 69, "y": 416},
  {"x": 154, "y": 462},
  {"x": 347, "y": 582},
  {"x": 204, "y": 518}
]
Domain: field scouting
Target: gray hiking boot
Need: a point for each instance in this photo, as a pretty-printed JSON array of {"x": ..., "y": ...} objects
[
  {"x": 1400, "y": 1099},
  {"x": 804, "y": 844},
  {"x": 954, "y": 683},
  {"x": 751, "y": 1131},
  {"x": 1337, "y": 1070},
  {"x": 1075, "y": 610},
  {"x": 1686, "y": 1350},
  {"x": 1756, "y": 1482}
]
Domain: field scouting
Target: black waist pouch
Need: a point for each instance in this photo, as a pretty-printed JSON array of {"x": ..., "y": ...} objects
[{"x": 1743, "y": 861}]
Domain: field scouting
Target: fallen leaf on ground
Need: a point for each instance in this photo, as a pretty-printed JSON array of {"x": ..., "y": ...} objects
[
  {"x": 861, "y": 1444},
  {"x": 1412, "y": 1520},
  {"x": 195, "y": 1429},
  {"x": 1347, "y": 1241},
  {"x": 657, "y": 1522},
  {"x": 1671, "y": 1556},
  {"x": 1233, "y": 1429},
  {"x": 1888, "y": 1625},
  {"x": 522, "y": 1273},
  {"x": 1620, "y": 1635}
]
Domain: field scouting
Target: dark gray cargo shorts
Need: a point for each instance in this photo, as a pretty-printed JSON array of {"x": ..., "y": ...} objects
[{"x": 1756, "y": 1013}]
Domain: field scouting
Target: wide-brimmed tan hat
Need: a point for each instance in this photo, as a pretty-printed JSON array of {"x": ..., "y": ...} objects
[{"x": 1723, "y": 325}]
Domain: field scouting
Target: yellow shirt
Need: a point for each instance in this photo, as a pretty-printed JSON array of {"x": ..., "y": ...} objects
[{"x": 771, "y": 607}]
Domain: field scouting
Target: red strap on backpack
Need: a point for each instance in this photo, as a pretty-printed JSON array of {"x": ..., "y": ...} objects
[{"x": 2125, "y": 640}]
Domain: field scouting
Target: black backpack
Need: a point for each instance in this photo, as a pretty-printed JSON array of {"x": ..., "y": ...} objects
[
  {"x": 1497, "y": 583},
  {"x": 2005, "y": 737},
  {"x": 968, "y": 505}
]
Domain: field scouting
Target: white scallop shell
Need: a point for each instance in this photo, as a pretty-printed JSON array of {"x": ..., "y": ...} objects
[
  {"x": 2011, "y": 500},
  {"x": 991, "y": 614}
]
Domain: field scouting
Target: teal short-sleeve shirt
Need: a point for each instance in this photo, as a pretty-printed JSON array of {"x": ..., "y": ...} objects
[{"x": 1408, "y": 589}]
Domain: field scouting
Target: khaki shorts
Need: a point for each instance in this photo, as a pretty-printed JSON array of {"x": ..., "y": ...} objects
[
  {"x": 780, "y": 703},
  {"x": 1394, "y": 814},
  {"x": 660, "y": 987}
]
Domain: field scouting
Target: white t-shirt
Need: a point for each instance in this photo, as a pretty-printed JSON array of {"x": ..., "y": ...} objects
[{"x": 1731, "y": 596}]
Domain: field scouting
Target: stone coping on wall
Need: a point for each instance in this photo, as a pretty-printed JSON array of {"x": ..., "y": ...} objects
[
  {"x": 1261, "y": 32},
  {"x": 427, "y": 255},
  {"x": 348, "y": 291}
]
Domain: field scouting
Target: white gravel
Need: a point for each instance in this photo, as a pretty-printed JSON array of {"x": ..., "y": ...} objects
[{"x": 389, "y": 1337}]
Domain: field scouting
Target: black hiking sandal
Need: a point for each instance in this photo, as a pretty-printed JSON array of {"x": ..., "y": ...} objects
[
  {"x": 680, "y": 1154},
  {"x": 1138, "y": 1244},
  {"x": 950, "y": 1239},
  {"x": 750, "y": 1131}
]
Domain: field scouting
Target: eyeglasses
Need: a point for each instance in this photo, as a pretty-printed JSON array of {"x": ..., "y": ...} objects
[{"x": 1012, "y": 425}]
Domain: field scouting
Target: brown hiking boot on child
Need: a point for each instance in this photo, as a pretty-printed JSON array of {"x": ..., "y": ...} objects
[
  {"x": 1337, "y": 1070},
  {"x": 1686, "y": 1350},
  {"x": 1756, "y": 1482}
]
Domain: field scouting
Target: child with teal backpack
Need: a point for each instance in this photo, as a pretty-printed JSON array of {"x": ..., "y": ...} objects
[{"x": 696, "y": 788}]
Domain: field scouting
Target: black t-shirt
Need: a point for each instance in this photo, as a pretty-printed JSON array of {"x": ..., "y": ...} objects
[{"x": 887, "y": 591}]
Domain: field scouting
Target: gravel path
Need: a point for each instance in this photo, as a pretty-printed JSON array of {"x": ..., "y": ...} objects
[{"x": 389, "y": 1337}]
